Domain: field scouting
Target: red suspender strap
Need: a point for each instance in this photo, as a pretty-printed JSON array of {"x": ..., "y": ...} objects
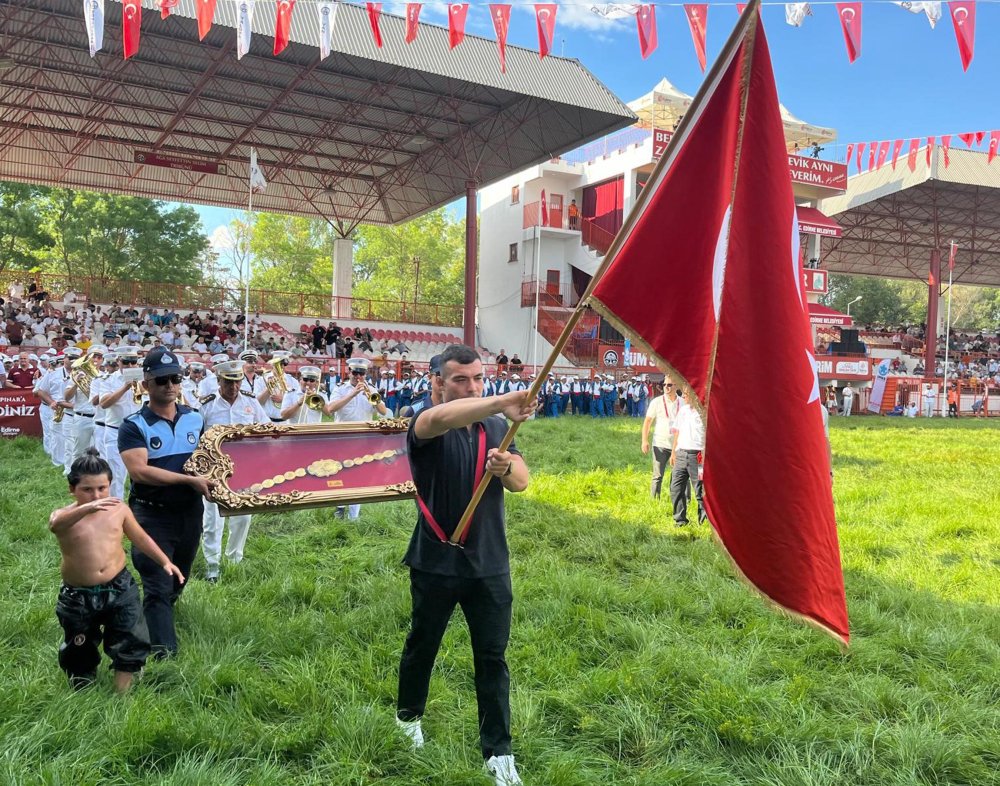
[{"x": 480, "y": 471}]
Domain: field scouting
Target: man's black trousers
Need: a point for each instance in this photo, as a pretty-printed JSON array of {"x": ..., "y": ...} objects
[
  {"x": 178, "y": 534},
  {"x": 486, "y": 603}
]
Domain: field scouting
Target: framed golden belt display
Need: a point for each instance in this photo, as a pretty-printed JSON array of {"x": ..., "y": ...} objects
[{"x": 275, "y": 466}]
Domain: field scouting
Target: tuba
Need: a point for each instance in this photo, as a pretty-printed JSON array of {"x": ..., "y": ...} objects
[
  {"x": 83, "y": 373},
  {"x": 275, "y": 381}
]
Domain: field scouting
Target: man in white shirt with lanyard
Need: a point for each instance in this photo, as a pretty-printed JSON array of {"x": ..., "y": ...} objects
[
  {"x": 227, "y": 407},
  {"x": 689, "y": 442},
  {"x": 660, "y": 416},
  {"x": 350, "y": 404}
]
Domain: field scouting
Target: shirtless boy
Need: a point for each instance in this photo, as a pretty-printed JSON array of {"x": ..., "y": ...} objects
[{"x": 99, "y": 598}]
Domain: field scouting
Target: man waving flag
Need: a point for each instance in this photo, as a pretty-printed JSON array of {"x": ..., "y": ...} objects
[{"x": 714, "y": 237}]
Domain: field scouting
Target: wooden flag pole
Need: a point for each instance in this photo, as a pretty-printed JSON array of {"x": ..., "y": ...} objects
[{"x": 749, "y": 13}]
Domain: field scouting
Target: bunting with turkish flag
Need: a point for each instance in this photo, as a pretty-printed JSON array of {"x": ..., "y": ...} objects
[
  {"x": 457, "y": 12},
  {"x": 945, "y": 146},
  {"x": 412, "y": 21},
  {"x": 963, "y": 19},
  {"x": 994, "y": 142},
  {"x": 544, "y": 209},
  {"x": 131, "y": 22},
  {"x": 283, "y": 24},
  {"x": 374, "y": 14},
  {"x": 545, "y": 17},
  {"x": 166, "y": 6},
  {"x": 645, "y": 21},
  {"x": 850, "y": 23},
  {"x": 872, "y": 149},
  {"x": 883, "y": 152},
  {"x": 930, "y": 149},
  {"x": 697, "y": 16},
  {"x": 850, "y": 149},
  {"x": 715, "y": 242},
  {"x": 500, "y": 15},
  {"x": 205, "y": 11},
  {"x": 896, "y": 147},
  {"x": 911, "y": 157},
  {"x": 861, "y": 153},
  {"x": 968, "y": 139}
]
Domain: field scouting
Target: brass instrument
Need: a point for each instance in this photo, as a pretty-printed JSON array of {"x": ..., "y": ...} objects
[
  {"x": 83, "y": 373},
  {"x": 137, "y": 392},
  {"x": 275, "y": 381},
  {"x": 374, "y": 397},
  {"x": 315, "y": 401},
  {"x": 58, "y": 415}
]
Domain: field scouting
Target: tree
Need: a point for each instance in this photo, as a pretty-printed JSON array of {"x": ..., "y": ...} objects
[
  {"x": 22, "y": 238},
  {"x": 881, "y": 301}
]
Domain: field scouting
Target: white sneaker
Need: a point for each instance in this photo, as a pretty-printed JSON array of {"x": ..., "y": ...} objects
[
  {"x": 503, "y": 770},
  {"x": 412, "y": 730}
]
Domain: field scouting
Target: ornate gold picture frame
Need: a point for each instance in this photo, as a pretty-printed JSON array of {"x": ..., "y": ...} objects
[{"x": 276, "y": 466}]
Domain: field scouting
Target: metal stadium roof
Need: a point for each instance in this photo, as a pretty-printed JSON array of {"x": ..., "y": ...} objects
[
  {"x": 366, "y": 135},
  {"x": 893, "y": 218}
]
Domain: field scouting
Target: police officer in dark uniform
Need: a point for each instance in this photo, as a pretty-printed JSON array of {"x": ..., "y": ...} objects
[{"x": 154, "y": 444}]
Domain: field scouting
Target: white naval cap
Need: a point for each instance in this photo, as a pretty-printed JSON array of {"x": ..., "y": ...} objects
[
  {"x": 310, "y": 372},
  {"x": 358, "y": 364},
  {"x": 231, "y": 370}
]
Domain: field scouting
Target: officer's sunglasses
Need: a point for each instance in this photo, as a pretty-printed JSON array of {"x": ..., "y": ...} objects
[
  {"x": 128, "y": 361},
  {"x": 174, "y": 379},
  {"x": 357, "y": 373}
]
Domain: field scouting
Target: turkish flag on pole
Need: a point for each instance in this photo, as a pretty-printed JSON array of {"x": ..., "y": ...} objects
[
  {"x": 545, "y": 16},
  {"x": 945, "y": 146},
  {"x": 697, "y": 16},
  {"x": 500, "y": 14},
  {"x": 930, "y": 149},
  {"x": 457, "y": 13},
  {"x": 911, "y": 158},
  {"x": 205, "y": 10},
  {"x": 645, "y": 21},
  {"x": 896, "y": 147},
  {"x": 715, "y": 241},
  {"x": 374, "y": 12},
  {"x": 412, "y": 21},
  {"x": 861, "y": 153},
  {"x": 283, "y": 24},
  {"x": 544, "y": 209},
  {"x": 883, "y": 153},
  {"x": 951, "y": 256},
  {"x": 994, "y": 143},
  {"x": 850, "y": 23},
  {"x": 131, "y": 22},
  {"x": 963, "y": 18}
]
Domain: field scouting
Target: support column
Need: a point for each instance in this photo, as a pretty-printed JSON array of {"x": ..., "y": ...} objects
[
  {"x": 933, "y": 297},
  {"x": 471, "y": 251},
  {"x": 343, "y": 277}
]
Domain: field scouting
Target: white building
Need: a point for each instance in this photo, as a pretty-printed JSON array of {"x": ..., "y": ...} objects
[{"x": 518, "y": 247}]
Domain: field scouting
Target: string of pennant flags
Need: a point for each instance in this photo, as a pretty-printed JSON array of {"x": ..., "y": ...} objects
[
  {"x": 961, "y": 12},
  {"x": 889, "y": 150}
]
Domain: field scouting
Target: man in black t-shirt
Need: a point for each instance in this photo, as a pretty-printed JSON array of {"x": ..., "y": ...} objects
[
  {"x": 319, "y": 337},
  {"x": 451, "y": 445}
]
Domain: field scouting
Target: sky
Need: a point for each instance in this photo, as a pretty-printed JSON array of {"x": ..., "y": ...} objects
[{"x": 908, "y": 81}]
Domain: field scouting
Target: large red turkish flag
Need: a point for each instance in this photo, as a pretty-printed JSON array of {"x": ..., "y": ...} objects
[
  {"x": 963, "y": 19},
  {"x": 457, "y": 12},
  {"x": 500, "y": 14},
  {"x": 131, "y": 23},
  {"x": 205, "y": 10},
  {"x": 545, "y": 18},
  {"x": 706, "y": 274},
  {"x": 283, "y": 24}
]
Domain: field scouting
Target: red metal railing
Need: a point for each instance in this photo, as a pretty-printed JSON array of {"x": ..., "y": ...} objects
[
  {"x": 598, "y": 238},
  {"x": 531, "y": 218},
  {"x": 313, "y": 305}
]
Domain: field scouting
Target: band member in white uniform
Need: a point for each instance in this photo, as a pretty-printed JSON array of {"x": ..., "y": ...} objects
[
  {"x": 98, "y": 388},
  {"x": 253, "y": 380},
  {"x": 210, "y": 384},
  {"x": 118, "y": 400},
  {"x": 296, "y": 407},
  {"x": 229, "y": 406},
  {"x": 189, "y": 387},
  {"x": 351, "y": 404},
  {"x": 272, "y": 405},
  {"x": 83, "y": 410},
  {"x": 50, "y": 371}
]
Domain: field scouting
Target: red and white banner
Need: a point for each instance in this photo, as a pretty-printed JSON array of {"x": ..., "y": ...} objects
[
  {"x": 945, "y": 147},
  {"x": 661, "y": 139},
  {"x": 850, "y": 23},
  {"x": 645, "y": 20},
  {"x": 716, "y": 247},
  {"x": 860, "y": 153},
  {"x": 545, "y": 18},
  {"x": 615, "y": 356},
  {"x": 963, "y": 19},
  {"x": 500, "y": 15},
  {"x": 19, "y": 414},
  {"x": 205, "y": 11},
  {"x": 930, "y": 149},
  {"x": 817, "y": 172},
  {"x": 911, "y": 157},
  {"x": 824, "y": 315},
  {"x": 994, "y": 143},
  {"x": 131, "y": 24},
  {"x": 883, "y": 153},
  {"x": 697, "y": 16},
  {"x": 832, "y": 367},
  {"x": 457, "y": 12},
  {"x": 412, "y": 21},
  {"x": 283, "y": 24},
  {"x": 374, "y": 15},
  {"x": 896, "y": 147}
]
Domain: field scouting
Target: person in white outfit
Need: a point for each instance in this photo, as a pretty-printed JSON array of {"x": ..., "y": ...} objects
[
  {"x": 350, "y": 404},
  {"x": 848, "y": 400},
  {"x": 83, "y": 411},
  {"x": 930, "y": 399},
  {"x": 296, "y": 409},
  {"x": 119, "y": 401},
  {"x": 227, "y": 407}
]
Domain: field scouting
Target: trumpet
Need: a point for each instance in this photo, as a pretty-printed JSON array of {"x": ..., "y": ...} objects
[
  {"x": 83, "y": 372},
  {"x": 374, "y": 397},
  {"x": 275, "y": 381}
]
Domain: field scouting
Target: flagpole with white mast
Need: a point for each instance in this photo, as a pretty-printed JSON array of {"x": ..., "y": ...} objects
[
  {"x": 538, "y": 263},
  {"x": 947, "y": 324},
  {"x": 257, "y": 182}
]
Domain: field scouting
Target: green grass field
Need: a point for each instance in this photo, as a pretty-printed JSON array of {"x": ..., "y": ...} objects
[{"x": 636, "y": 655}]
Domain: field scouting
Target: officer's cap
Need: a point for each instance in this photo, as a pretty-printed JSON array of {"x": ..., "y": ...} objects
[{"x": 231, "y": 370}]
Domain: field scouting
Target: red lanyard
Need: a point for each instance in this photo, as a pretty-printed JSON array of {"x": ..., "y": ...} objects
[{"x": 480, "y": 470}]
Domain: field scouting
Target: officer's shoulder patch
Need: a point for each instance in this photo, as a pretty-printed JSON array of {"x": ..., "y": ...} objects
[
  {"x": 206, "y": 399},
  {"x": 248, "y": 395}
]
